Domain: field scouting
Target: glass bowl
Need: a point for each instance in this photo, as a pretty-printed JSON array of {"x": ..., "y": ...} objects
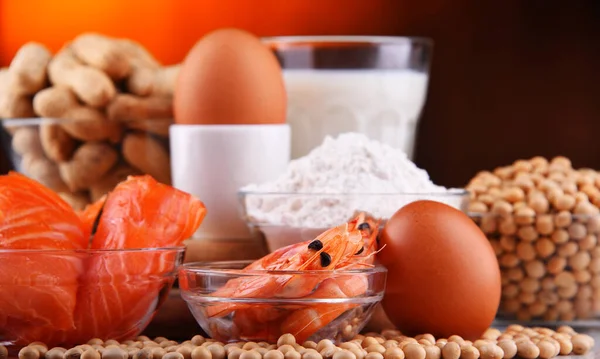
[
  {"x": 84, "y": 159},
  {"x": 550, "y": 267},
  {"x": 288, "y": 218},
  {"x": 311, "y": 305},
  {"x": 67, "y": 297},
  {"x": 376, "y": 85}
]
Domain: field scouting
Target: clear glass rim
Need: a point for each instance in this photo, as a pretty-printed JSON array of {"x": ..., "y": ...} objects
[
  {"x": 224, "y": 268},
  {"x": 266, "y": 225},
  {"x": 93, "y": 251},
  {"x": 26, "y": 121},
  {"x": 457, "y": 193},
  {"x": 348, "y": 39},
  {"x": 376, "y": 296},
  {"x": 36, "y": 121}
]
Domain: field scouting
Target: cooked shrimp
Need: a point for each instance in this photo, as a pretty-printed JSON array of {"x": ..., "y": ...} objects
[
  {"x": 351, "y": 245},
  {"x": 304, "y": 322}
]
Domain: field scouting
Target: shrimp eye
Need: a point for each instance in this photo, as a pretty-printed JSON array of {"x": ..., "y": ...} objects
[
  {"x": 315, "y": 245},
  {"x": 325, "y": 259},
  {"x": 359, "y": 251},
  {"x": 363, "y": 226}
]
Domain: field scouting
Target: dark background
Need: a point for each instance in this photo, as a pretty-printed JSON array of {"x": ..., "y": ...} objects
[{"x": 510, "y": 80}]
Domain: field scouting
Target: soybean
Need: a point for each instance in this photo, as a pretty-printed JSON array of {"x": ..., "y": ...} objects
[{"x": 29, "y": 353}]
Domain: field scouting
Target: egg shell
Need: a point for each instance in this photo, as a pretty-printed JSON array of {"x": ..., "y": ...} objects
[
  {"x": 230, "y": 77},
  {"x": 443, "y": 276}
]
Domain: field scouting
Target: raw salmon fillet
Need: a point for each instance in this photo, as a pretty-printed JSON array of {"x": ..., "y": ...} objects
[
  {"x": 143, "y": 213},
  {"x": 38, "y": 289},
  {"x": 34, "y": 217},
  {"x": 139, "y": 213},
  {"x": 120, "y": 293}
]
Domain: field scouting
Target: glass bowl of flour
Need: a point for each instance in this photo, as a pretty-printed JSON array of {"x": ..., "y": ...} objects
[
  {"x": 346, "y": 174},
  {"x": 288, "y": 218}
]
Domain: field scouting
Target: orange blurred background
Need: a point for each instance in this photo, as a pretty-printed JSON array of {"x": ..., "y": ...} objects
[{"x": 169, "y": 28}]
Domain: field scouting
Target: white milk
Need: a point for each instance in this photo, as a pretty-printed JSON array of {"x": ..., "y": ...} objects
[{"x": 383, "y": 104}]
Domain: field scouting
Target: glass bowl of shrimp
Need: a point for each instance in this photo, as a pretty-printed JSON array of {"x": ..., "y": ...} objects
[
  {"x": 331, "y": 311},
  {"x": 287, "y": 218},
  {"x": 324, "y": 288}
]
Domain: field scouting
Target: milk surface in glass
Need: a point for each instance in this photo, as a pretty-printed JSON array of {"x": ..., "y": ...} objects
[{"x": 384, "y": 104}]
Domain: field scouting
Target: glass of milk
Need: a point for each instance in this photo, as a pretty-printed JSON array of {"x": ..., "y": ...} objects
[{"x": 369, "y": 84}]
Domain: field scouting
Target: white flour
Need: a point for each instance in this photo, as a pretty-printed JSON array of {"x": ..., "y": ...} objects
[{"x": 345, "y": 174}]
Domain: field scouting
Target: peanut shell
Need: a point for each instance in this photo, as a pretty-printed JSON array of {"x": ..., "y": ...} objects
[
  {"x": 103, "y": 53},
  {"x": 91, "y": 85},
  {"x": 58, "y": 145},
  {"x": 89, "y": 163},
  {"x": 28, "y": 68},
  {"x": 148, "y": 155}
]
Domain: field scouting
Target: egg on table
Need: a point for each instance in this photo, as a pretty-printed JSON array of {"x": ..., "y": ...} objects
[
  {"x": 230, "y": 77},
  {"x": 443, "y": 276}
]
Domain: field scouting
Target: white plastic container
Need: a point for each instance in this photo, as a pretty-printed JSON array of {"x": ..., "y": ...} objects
[{"x": 212, "y": 162}]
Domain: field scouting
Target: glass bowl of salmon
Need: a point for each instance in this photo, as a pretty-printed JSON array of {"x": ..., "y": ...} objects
[
  {"x": 284, "y": 218},
  {"x": 67, "y": 297},
  {"x": 311, "y": 305},
  {"x": 68, "y": 276}
]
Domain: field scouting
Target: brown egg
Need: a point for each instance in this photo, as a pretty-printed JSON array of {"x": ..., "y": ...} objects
[
  {"x": 230, "y": 77},
  {"x": 443, "y": 275}
]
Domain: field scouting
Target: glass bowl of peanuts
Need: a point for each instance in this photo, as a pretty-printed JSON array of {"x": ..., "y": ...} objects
[
  {"x": 542, "y": 218},
  {"x": 234, "y": 304},
  {"x": 83, "y": 117},
  {"x": 82, "y": 159}
]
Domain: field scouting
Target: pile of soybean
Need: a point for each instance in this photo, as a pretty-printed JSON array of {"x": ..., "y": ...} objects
[{"x": 515, "y": 342}]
